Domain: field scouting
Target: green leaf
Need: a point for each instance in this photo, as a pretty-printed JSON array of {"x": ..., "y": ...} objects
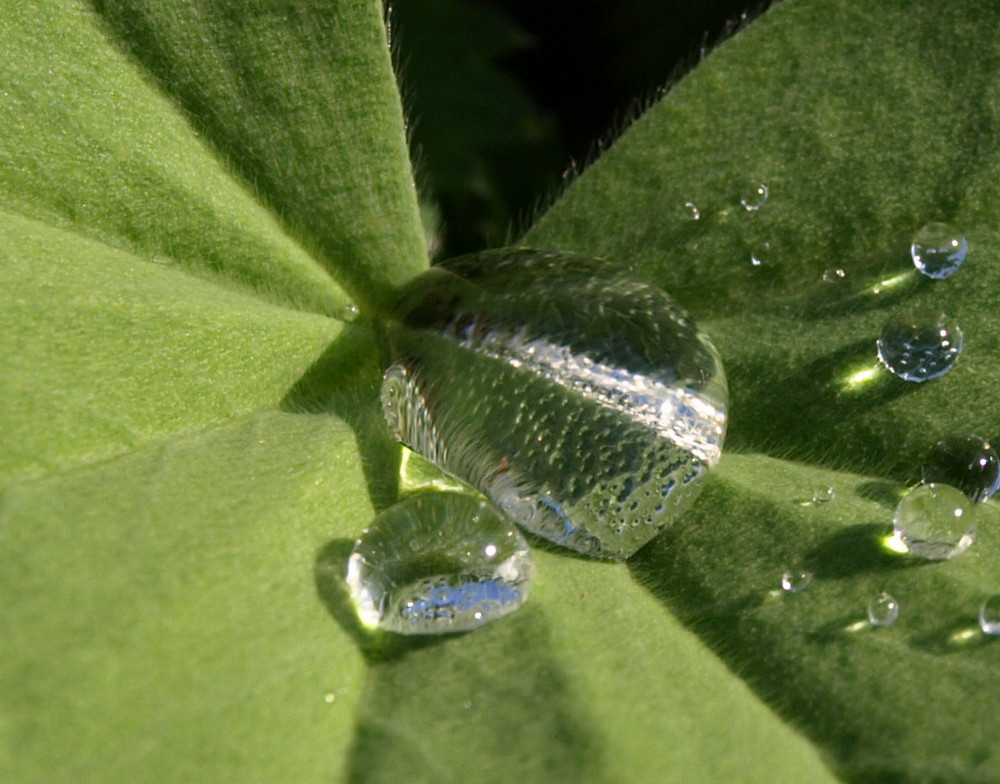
[
  {"x": 191, "y": 444},
  {"x": 865, "y": 123}
]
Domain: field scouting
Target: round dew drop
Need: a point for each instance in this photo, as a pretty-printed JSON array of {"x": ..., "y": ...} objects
[
  {"x": 938, "y": 250},
  {"x": 437, "y": 563},
  {"x": 883, "y": 610},
  {"x": 934, "y": 521},
  {"x": 754, "y": 197},
  {"x": 793, "y": 582},
  {"x": 920, "y": 347},
  {"x": 967, "y": 462}
]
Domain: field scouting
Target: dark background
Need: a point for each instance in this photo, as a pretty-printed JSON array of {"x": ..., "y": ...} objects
[{"x": 508, "y": 99}]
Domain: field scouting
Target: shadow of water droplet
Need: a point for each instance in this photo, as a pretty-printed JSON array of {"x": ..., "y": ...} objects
[
  {"x": 490, "y": 706},
  {"x": 854, "y": 550}
]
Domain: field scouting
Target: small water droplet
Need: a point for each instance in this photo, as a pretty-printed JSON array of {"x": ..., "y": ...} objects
[
  {"x": 989, "y": 616},
  {"x": 447, "y": 583},
  {"x": 760, "y": 254},
  {"x": 883, "y": 610},
  {"x": 934, "y": 521},
  {"x": 795, "y": 581},
  {"x": 156, "y": 259},
  {"x": 920, "y": 347},
  {"x": 821, "y": 494},
  {"x": 834, "y": 275},
  {"x": 691, "y": 211},
  {"x": 329, "y": 698},
  {"x": 347, "y": 313},
  {"x": 967, "y": 462},
  {"x": 575, "y": 396},
  {"x": 754, "y": 196},
  {"x": 467, "y": 704},
  {"x": 938, "y": 250}
]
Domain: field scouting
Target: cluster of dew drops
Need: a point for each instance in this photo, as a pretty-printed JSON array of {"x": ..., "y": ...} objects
[{"x": 933, "y": 520}]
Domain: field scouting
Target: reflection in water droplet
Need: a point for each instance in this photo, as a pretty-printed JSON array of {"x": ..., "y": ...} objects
[
  {"x": 989, "y": 616},
  {"x": 793, "y": 581},
  {"x": 938, "y": 250},
  {"x": 754, "y": 197},
  {"x": 582, "y": 401},
  {"x": 883, "y": 610},
  {"x": 966, "y": 462},
  {"x": 469, "y": 566},
  {"x": 934, "y": 521},
  {"x": 691, "y": 211},
  {"x": 921, "y": 347}
]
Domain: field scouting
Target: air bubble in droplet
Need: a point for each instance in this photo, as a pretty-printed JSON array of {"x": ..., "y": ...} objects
[
  {"x": 989, "y": 616},
  {"x": 448, "y": 582},
  {"x": 934, "y": 521},
  {"x": 575, "y": 396},
  {"x": 883, "y": 610},
  {"x": 938, "y": 250},
  {"x": 794, "y": 581},
  {"x": 967, "y": 462},
  {"x": 920, "y": 347},
  {"x": 754, "y": 196},
  {"x": 691, "y": 211}
]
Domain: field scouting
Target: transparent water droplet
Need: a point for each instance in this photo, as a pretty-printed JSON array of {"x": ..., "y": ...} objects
[
  {"x": 967, "y": 462},
  {"x": 585, "y": 403},
  {"x": 883, "y": 610},
  {"x": 938, "y": 250},
  {"x": 934, "y": 521},
  {"x": 164, "y": 260},
  {"x": 920, "y": 347},
  {"x": 794, "y": 581},
  {"x": 820, "y": 494},
  {"x": 347, "y": 313},
  {"x": 989, "y": 616},
  {"x": 834, "y": 275},
  {"x": 469, "y": 566},
  {"x": 691, "y": 211},
  {"x": 761, "y": 254},
  {"x": 330, "y": 698},
  {"x": 754, "y": 196}
]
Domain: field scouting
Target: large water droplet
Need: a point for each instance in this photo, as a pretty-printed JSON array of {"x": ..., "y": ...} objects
[
  {"x": 754, "y": 196},
  {"x": 934, "y": 521},
  {"x": 966, "y": 462},
  {"x": 989, "y": 616},
  {"x": 883, "y": 610},
  {"x": 437, "y": 563},
  {"x": 938, "y": 250},
  {"x": 582, "y": 401},
  {"x": 920, "y": 347}
]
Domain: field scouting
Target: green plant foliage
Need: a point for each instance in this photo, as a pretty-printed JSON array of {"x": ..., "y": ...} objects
[{"x": 190, "y": 442}]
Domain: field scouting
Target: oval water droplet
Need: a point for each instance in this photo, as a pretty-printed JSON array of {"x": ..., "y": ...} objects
[
  {"x": 754, "y": 196},
  {"x": 761, "y": 254},
  {"x": 934, "y": 521},
  {"x": 920, "y": 347},
  {"x": 989, "y": 616},
  {"x": 575, "y": 396},
  {"x": 794, "y": 581},
  {"x": 967, "y": 462},
  {"x": 938, "y": 250},
  {"x": 469, "y": 566},
  {"x": 883, "y": 610},
  {"x": 691, "y": 211},
  {"x": 834, "y": 275}
]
